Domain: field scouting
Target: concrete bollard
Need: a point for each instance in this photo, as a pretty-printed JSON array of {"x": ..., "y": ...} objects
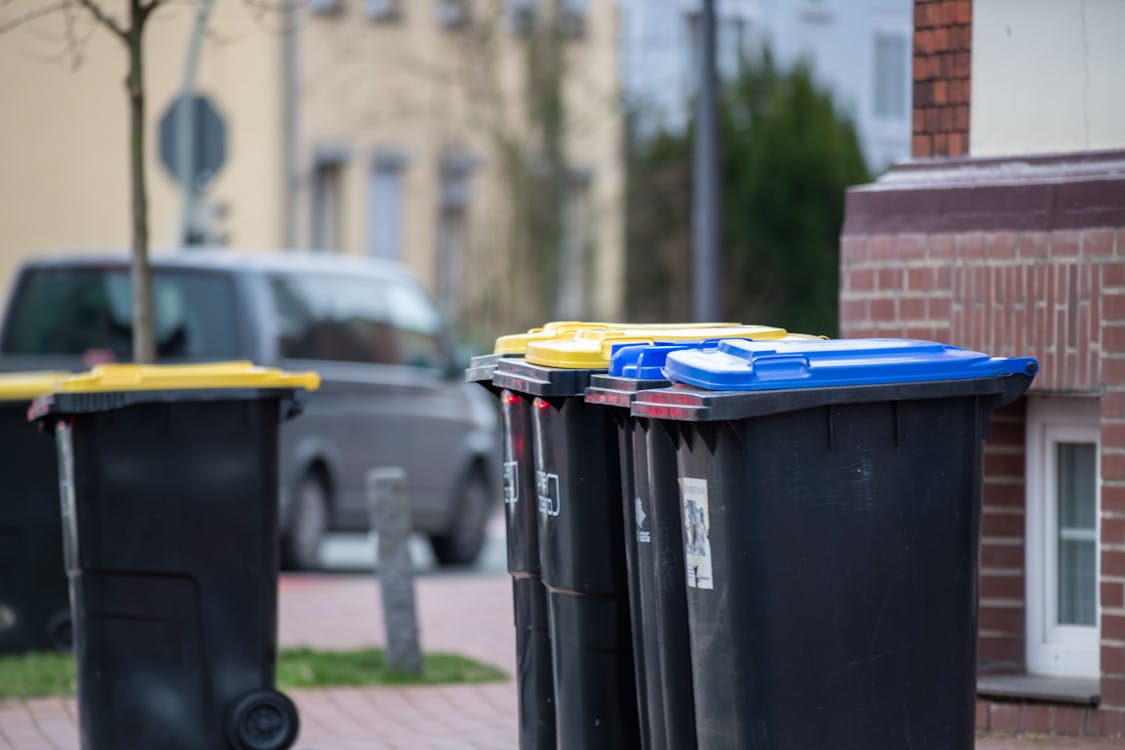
[{"x": 389, "y": 506}]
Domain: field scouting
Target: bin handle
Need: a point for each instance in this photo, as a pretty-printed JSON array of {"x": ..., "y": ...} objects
[{"x": 780, "y": 366}]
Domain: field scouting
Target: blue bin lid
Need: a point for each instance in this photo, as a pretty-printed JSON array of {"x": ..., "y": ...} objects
[
  {"x": 775, "y": 365},
  {"x": 645, "y": 361}
]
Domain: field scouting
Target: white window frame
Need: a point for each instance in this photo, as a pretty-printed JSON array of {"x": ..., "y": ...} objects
[{"x": 1053, "y": 649}]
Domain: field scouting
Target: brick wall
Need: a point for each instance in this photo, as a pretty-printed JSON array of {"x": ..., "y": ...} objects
[
  {"x": 942, "y": 65},
  {"x": 1058, "y": 295}
]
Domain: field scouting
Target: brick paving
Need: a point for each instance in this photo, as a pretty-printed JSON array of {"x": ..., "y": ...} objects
[{"x": 469, "y": 614}]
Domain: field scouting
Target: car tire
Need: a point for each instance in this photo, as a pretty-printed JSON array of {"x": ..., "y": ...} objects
[
  {"x": 301, "y": 546},
  {"x": 462, "y": 544}
]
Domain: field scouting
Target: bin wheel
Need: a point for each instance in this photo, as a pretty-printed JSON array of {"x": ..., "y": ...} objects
[
  {"x": 60, "y": 631},
  {"x": 462, "y": 544},
  {"x": 263, "y": 720},
  {"x": 301, "y": 548}
]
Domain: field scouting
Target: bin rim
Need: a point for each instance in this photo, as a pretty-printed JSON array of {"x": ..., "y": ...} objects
[
  {"x": 684, "y": 403},
  {"x": 738, "y": 365},
  {"x": 117, "y": 378},
  {"x": 28, "y": 386},
  {"x": 594, "y": 349}
]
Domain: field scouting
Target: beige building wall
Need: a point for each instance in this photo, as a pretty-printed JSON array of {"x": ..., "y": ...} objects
[
  {"x": 413, "y": 88},
  {"x": 64, "y": 132},
  {"x": 1048, "y": 76}
]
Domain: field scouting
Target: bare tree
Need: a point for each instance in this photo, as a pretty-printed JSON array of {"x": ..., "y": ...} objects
[{"x": 130, "y": 32}]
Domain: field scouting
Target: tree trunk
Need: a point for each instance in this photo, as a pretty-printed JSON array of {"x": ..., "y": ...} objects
[{"x": 144, "y": 347}]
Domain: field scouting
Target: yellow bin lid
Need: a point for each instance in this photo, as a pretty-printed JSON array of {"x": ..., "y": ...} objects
[
  {"x": 28, "y": 386},
  {"x": 562, "y": 330},
  {"x": 592, "y": 350},
  {"x": 130, "y": 377}
]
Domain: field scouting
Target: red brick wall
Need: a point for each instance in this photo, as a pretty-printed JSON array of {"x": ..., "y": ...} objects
[
  {"x": 943, "y": 34},
  {"x": 1055, "y": 295}
]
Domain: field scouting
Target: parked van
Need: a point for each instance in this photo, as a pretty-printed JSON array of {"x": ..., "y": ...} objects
[{"x": 391, "y": 393}]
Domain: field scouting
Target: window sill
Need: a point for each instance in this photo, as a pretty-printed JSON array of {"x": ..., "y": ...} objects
[{"x": 1083, "y": 692}]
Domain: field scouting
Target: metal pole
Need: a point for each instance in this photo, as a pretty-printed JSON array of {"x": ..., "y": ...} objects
[
  {"x": 705, "y": 199},
  {"x": 185, "y": 125},
  {"x": 289, "y": 166}
]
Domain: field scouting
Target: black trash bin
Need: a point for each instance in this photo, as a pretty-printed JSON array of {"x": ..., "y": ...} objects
[
  {"x": 576, "y": 491},
  {"x": 579, "y": 485},
  {"x": 534, "y": 679},
  {"x": 34, "y": 601},
  {"x": 169, "y": 480},
  {"x": 831, "y": 505},
  {"x": 653, "y": 542}
]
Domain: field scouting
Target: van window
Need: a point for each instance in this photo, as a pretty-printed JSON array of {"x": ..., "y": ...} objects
[
  {"x": 75, "y": 310},
  {"x": 335, "y": 318},
  {"x": 417, "y": 326}
]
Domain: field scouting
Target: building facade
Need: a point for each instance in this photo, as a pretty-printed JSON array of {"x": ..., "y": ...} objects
[
  {"x": 860, "y": 49},
  {"x": 1006, "y": 234},
  {"x": 351, "y": 126}
]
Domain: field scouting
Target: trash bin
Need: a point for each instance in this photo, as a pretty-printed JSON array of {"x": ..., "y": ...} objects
[
  {"x": 578, "y": 486},
  {"x": 34, "y": 603},
  {"x": 169, "y": 482},
  {"x": 831, "y": 506},
  {"x": 534, "y": 679},
  {"x": 653, "y": 542}
]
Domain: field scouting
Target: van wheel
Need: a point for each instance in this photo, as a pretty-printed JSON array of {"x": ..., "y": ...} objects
[
  {"x": 301, "y": 546},
  {"x": 462, "y": 544}
]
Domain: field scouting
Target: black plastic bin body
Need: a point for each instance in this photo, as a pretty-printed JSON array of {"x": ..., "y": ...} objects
[
  {"x": 655, "y": 561},
  {"x": 832, "y": 538},
  {"x": 171, "y": 536},
  {"x": 34, "y": 600},
  {"x": 578, "y": 489},
  {"x": 534, "y": 674}
]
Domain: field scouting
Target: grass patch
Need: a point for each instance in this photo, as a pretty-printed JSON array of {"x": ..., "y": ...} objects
[
  {"x": 47, "y": 674},
  {"x": 35, "y": 675},
  {"x": 303, "y": 667}
]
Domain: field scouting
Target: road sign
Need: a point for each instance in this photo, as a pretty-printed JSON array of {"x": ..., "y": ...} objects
[{"x": 208, "y": 139}]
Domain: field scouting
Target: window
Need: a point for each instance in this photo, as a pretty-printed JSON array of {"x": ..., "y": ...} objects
[
  {"x": 521, "y": 15},
  {"x": 383, "y": 10},
  {"x": 83, "y": 310},
  {"x": 574, "y": 17},
  {"x": 334, "y": 318},
  {"x": 1062, "y": 537},
  {"x": 417, "y": 326},
  {"x": 891, "y": 76},
  {"x": 327, "y": 196},
  {"x": 386, "y": 212},
  {"x": 325, "y": 7},
  {"x": 453, "y": 14},
  {"x": 456, "y": 173}
]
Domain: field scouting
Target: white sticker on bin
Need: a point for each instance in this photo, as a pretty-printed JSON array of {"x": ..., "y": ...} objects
[
  {"x": 511, "y": 482},
  {"x": 643, "y": 536},
  {"x": 697, "y": 533},
  {"x": 548, "y": 491}
]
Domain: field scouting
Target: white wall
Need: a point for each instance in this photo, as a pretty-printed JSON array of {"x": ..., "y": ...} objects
[{"x": 1048, "y": 76}]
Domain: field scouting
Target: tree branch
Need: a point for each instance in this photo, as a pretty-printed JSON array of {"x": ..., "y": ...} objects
[
  {"x": 30, "y": 15},
  {"x": 146, "y": 9},
  {"x": 103, "y": 18}
]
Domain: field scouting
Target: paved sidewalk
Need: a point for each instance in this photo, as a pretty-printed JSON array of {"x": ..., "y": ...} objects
[{"x": 469, "y": 614}]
